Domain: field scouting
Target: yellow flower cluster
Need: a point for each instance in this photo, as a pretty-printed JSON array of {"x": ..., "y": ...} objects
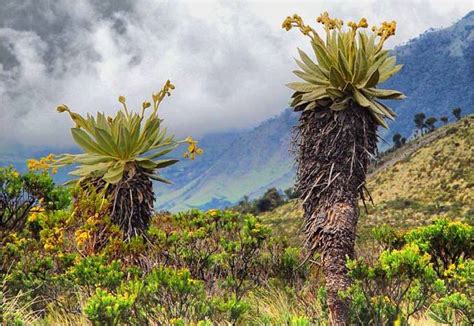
[
  {"x": 159, "y": 96},
  {"x": 193, "y": 149},
  {"x": 213, "y": 212},
  {"x": 37, "y": 209},
  {"x": 328, "y": 22},
  {"x": 81, "y": 237},
  {"x": 15, "y": 239},
  {"x": 42, "y": 164},
  {"x": 386, "y": 30},
  {"x": 297, "y": 21},
  {"x": 362, "y": 24},
  {"x": 35, "y": 213},
  {"x": 54, "y": 238}
]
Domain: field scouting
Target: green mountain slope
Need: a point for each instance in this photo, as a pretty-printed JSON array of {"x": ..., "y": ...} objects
[
  {"x": 430, "y": 177},
  {"x": 253, "y": 162}
]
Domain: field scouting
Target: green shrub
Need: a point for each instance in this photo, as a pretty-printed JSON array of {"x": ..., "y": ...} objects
[
  {"x": 457, "y": 307},
  {"x": 395, "y": 286},
  {"x": 453, "y": 309},
  {"x": 217, "y": 247},
  {"x": 20, "y": 193},
  {"x": 95, "y": 271},
  {"x": 105, "y": 308},
  {"x": 445, "y": 241}
]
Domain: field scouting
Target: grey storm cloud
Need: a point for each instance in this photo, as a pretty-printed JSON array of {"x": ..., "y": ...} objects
[{"x": 229, "y": 60}]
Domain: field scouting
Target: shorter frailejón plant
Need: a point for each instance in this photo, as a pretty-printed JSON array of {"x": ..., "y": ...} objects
[{"x": 122, "y": 155}]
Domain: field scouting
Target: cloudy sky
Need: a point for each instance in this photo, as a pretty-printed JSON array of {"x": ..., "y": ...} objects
[{"x": 228, "y": 59}]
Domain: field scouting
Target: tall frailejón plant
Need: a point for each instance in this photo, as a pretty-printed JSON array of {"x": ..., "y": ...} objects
[
  {"x": 122, "y": 155},
  {"x": 336, "y": 137}
]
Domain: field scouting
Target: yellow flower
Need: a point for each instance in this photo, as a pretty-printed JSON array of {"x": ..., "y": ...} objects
[
  {"x": 146, "y": 104},
  {"x": 62, "y": 108},
  {"x": 48, "y": 246},
  {"x": 33, "y": 217},
  {"x": 169, "y": 84},
  {"x": 15, "y": 174},
  {"x": 287, "y": 23},
  {"x": 363, "y": 23},
  {"x": 82, "y": 237},
  {"x": 193, "y": 149},
  {"x": 121, "y": 99},
  {"x": 189, "y": 139}
]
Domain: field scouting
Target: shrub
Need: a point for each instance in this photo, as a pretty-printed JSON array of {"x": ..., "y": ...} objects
[
  {"x": 457, "y": 306},
  {"x": 22, "y": 193},
  {"x": 445, "y": 241},
  {"x": 95, "y": 271},
  {"x": 220, "y": 247},
  {"x": 398, "y": 284},
  {"x": 105, "y": 308}
]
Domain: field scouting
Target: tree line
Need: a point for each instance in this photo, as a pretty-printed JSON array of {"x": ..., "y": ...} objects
[{"x": 424, "y": 125}]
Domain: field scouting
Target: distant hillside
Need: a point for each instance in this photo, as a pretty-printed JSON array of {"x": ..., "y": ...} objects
[
  {"x": 252, "y": 162},
  {"x": 430, "y": 177},
  {"x": 438, "y": 75}
]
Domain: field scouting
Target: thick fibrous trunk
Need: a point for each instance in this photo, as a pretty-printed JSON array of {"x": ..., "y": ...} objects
[
  {"x": 131, "y": 202},
  {"x": 132, "y": 205},
  {"x": 333, "y": 152}
]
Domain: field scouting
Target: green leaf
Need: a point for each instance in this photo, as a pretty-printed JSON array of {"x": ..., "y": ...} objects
[
  {"x": 164, "y": 163},
  {"x": 336, "y": 78},
  {"x": 302, "y": 86},
  {"x": 361, "y": 67},
  {"x": 386, "y": 74},
  {"x": 310, "y": 106},
  {"x": 146, "y": 163},
  {"x": 379, "y": 120},
  {"x": 124, "y": 142},
  {"x": 85, "y": 141},
  {"x": 156, "y": 177},
  {"x": 106, "y": 142},
  {"x": 335, "y": 93},
  {"x": 384, "y": 93},
  {"x": 360, "y": 98},
  {"x": 91, "y": 159},
  {"x": 344, "y": 66},
  {"x": 387, "y": 112},
  {"x": 161, "y": 153},
  {"x": 373, "y": 79},
  {"x": 114, "y": 174},
  {"x": 314, "y": 95},
  {"x": 305, "y": 76},
  {"x": 97, "y": 169},
  {"x": 310, "y": 63},
  {"x": 323, "y": 58},
  {"x": 340, "y": 105}
]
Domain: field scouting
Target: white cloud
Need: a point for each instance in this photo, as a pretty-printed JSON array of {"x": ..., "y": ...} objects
[{"x": 229, "y": 60}]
